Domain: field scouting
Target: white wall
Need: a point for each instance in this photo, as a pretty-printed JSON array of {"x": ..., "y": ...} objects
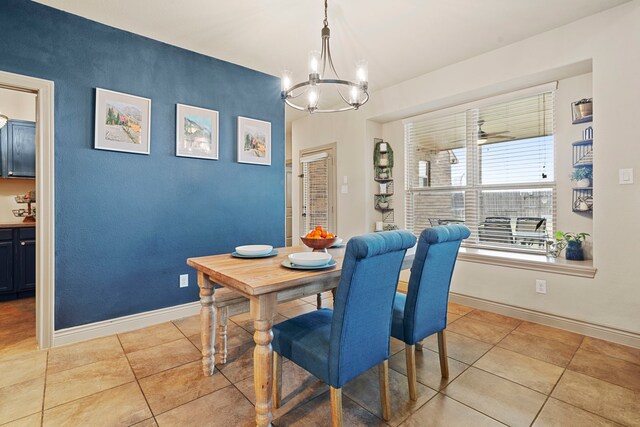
[
  {"x": 609, "y": 43},
  {"x": 18, "y": 105}
]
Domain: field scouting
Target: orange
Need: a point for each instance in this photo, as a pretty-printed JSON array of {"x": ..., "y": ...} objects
[{"x": 331, "y": 236}]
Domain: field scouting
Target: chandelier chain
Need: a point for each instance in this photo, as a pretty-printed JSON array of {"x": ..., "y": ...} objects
[{"x": 326, "y": 20}]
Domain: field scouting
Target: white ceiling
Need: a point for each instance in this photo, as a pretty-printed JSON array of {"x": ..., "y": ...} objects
[{"x": 400, "y": 39}]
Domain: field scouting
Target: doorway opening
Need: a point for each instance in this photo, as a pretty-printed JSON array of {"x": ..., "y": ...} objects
[
  {"x": 26, "y": 213},
  {"x": 317, "y": 191}
]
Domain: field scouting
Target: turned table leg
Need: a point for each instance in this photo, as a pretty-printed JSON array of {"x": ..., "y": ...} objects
[
  {"x": 263, "y": 311},
  {"x": 222, "y": 316},
  {"x": 207, "y": 323}
]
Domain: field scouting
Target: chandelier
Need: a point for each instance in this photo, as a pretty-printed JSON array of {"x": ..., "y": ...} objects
[{"x": 305, "y": 96}]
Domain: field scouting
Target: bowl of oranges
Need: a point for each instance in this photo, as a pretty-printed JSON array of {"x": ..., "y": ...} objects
[{"x": 319, "y": 239}]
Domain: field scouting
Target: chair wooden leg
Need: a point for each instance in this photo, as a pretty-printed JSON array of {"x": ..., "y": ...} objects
[
  {"x": 442, "y": 351},
  {"x": 336, "y": 407},
  {"x": 411, "y": 371},
  {"x": 318, "y": 301},
  {"x": 220, "y": 350},
  {"x": 277, "y": 380},
  {"x": 385, "y": 393},
  {"x": 419, "y": 345}
]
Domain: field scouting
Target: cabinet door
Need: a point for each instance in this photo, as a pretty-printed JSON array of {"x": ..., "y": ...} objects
[
  {"x": 21, "y": 149},
  {"x": 3, "y": 152},
  {"x": 26, "y": 265},
  {"x": 6, "y": 267}
]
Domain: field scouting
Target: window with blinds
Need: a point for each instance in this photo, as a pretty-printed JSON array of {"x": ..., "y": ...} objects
[
  {"x": 490, "y": 167},
  {"x": 317, "y": 191}
]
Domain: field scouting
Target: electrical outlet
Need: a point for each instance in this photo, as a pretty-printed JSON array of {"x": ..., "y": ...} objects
[
  {"x": 541, "y": 286},
  {"x": 184, "y": 280}
]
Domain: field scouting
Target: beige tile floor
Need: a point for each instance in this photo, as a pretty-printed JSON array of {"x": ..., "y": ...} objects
[{"x": 503, "y": 371}]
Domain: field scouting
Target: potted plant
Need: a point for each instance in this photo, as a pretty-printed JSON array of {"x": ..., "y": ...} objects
[
  {"x": 383, "y": 202},
  {"x": 573, "y": 241},
  {"x": 582, "y": 176},
  {"x": 384, "y": 173},
  {"x": 582, "y": 109}
]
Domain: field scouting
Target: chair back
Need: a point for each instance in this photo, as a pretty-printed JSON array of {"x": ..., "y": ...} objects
[
  {"x": 425, "y": 310},
  {"x": 363, "y": 305}
]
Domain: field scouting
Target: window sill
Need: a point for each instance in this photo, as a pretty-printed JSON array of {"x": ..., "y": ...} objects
[{"x": 529, "y": 262}]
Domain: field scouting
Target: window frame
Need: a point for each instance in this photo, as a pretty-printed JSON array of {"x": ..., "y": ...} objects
[{"x": 473, "y": 187}]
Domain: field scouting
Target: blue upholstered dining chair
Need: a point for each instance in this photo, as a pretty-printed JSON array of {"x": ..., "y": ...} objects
[
  {"x": 340, "y": 344},
  {"x": 423, "y": 310}
]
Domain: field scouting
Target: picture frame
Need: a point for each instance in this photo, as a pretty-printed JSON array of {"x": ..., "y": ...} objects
[
  {"x": 197, "y": 133},
  {"x": 122, "y": 122},
  {"x": 254, "y": 141}
]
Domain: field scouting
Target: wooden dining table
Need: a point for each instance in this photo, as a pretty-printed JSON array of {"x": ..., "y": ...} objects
[{"x": 265, "y": 282}]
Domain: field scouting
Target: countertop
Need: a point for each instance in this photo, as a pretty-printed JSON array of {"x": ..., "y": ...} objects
[{"x": 18, "y": 224}]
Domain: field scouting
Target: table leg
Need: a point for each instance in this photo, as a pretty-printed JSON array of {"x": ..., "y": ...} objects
[
  {"x": 207, "y": 323},
  {"x": 263, "y": 311}
]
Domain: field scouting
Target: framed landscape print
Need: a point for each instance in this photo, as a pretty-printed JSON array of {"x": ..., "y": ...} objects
[
  {"x": 123, "y": 122},
  {"x": 196, "y": 132},
  {"x": 254, "y": 141}
]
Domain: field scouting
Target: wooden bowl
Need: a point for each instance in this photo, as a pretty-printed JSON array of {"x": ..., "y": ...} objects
[{"x": 319, "y": 245}]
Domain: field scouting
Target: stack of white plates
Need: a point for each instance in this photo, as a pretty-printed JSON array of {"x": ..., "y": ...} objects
[
  {"x": 310, "y": 259},
  {"x": 254, "y": 250}
]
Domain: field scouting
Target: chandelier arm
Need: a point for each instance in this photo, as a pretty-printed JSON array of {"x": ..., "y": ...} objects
[
  {"x": 342, "y": 96},
  {"x": 323, "y": 55},
  {"x": 294, "y": 106},
  {"x": 331, "y": 60}
]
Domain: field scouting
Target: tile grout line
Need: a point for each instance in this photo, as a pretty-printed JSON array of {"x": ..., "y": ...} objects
[
  {"x": 44, "y": 388},
  {"x": 571, "y": 404},
  {"x": 146, "y": 401},
  {"x": 471, "y": 407},
  {"x": 467, "y": 368}
]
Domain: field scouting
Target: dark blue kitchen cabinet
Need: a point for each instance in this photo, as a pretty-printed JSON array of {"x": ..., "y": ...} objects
[
  {"x": 17, "y": 262},
  {"x": 6, "y": 261},
  {"x": 26, "y": 262},
  {"x": 21, "y": 149}
]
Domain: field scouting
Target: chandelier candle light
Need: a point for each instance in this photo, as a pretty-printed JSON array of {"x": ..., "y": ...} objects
[{"x": 354, "y": 94}]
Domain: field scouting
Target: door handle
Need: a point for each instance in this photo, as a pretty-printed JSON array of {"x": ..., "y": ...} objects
[
  {"x": 10, "y": 173},
  {"x": 23, "y": 243}
]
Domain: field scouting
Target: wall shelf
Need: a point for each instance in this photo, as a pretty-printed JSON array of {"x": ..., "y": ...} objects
[
  {"x": 383, "y": 175},
  {"x": 582, "y": 153},
  {"x": 582, "y": 158},
  {"x": 583, "y": 120}
]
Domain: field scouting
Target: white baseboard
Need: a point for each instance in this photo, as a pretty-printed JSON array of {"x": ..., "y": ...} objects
[
  {"x": 597, "y": 331},
  {"x": 123, "y": 324}
]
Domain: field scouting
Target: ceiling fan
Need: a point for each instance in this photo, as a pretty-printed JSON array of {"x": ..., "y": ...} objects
[{"x": 484, "y": 137}]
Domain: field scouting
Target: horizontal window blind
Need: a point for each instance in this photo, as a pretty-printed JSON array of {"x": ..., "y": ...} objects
[
  {"x": 489, "y": 167},
  {"x": 315, "y": 192}
]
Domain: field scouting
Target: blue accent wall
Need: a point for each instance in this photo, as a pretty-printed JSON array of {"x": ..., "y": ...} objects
[{"x": 126, "y": 223}]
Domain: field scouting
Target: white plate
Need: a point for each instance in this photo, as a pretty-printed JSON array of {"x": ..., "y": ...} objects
[
  {"x": 253, "y": 250},
  {"x": 338, "y": 243},
  {"x": 287, "y": 263},
  {"x": 310, "y": 259}
]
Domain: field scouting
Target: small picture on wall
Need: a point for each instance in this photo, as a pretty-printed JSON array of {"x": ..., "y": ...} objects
[
  {"x": 196, "y": 132},
  {"x": 123, "y": 122},
  {"x": 254, "y": 141}
]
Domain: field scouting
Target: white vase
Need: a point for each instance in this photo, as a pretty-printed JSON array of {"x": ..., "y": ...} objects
[{"x": 586, "y": 182}]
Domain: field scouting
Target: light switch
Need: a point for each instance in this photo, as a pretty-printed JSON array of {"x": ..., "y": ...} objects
[
  {"x": 626, "y": 176},
  {"x": 344, "y": 179},
  {"x": 345, "y": 189}
]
